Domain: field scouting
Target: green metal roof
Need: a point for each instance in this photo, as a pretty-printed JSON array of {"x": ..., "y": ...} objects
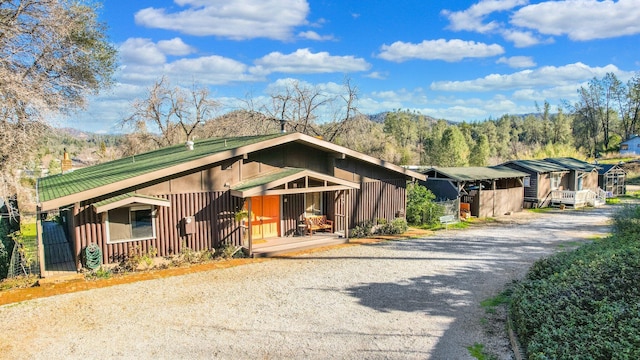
[
  {"x": 57, "y": 186},
  {"x": 573, "y": 164},
  {"x": 265, "y": 179},
  {"x": 473, "y": 173},
  {"x": 539, "y": 166}
]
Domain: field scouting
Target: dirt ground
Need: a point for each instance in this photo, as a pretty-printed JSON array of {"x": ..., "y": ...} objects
[{"x": 413, "y": 298}]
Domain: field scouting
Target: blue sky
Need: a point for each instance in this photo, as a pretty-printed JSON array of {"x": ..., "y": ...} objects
[{"x": 457, "y": 60}]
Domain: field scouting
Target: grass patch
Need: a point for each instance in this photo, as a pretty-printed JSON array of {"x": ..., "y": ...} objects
[
  {"x": 613, "y": 201},
  {"x": 491, "y": 304},
  {"x": 570, "y": 244},
  {"x": 540, "y": 210},
  {"x": 19, "y": 282},
  {"x": 478, "y": 352}
]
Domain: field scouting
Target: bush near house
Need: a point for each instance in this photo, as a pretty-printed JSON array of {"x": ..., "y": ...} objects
[
  {"x": 584, "y": 304},
  {"x": 421, "y": 208}
]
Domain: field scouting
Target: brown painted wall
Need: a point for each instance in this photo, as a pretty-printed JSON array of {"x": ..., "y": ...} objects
[
  {"x": 376, "y": 200},
  {"x": 213, "y": 213},
  {"x": 499, "y": 202},
  {"x": 292, "y": 213},
  {"x": 590, "y": 181}
]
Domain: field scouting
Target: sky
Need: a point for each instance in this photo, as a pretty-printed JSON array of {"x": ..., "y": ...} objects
[{"x": 455, "y": 60}]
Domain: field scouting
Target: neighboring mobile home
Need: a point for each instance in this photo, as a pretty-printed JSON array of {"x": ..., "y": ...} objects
[
  {"x": 490, "y": 191},
  {"x": 179, "y": 197},
  {"x": 543, "y": 176},
  {"x": 560, "y": 181}
]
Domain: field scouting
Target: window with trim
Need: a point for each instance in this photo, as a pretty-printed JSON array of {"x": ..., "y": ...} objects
[
  {"x": 313, "y": 203},
  {"x": 131, "y": 223},
  {"x": 555, "y": 181},
  {"x": 527, "y": 182},
  {"x": 624, "y": 146}
]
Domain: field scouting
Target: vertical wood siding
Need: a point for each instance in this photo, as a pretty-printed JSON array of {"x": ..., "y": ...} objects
[
  {"x": 213, "y": 213},
  {"x": 378, "y": 199},
  {"x": 292, "y": 213}
]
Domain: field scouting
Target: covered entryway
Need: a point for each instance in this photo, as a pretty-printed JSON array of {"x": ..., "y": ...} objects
[{"x": 277, "y": 203}]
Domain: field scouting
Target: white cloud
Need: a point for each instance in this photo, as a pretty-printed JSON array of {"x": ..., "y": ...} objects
[
  {"x": 175, "y": 47},
  {"x": 581, "y": 19},
  {"x": 472, "y": 18},
  {"x": 303, "y": 61},
  {"x": 238, "y": 20},
  {"x": 209, "y": 70},
  {"x": 377, "y": 75},
  {"x": 517, "y": 61},
  {"x": 415, "y": 96},
  {"x": 441, "y": 49},
  {"x": 521, "y": 39},
  {"x": 547, "y": 76},
  {"x": 141, "y": 51},
  {"x": 312, "y": 35}
]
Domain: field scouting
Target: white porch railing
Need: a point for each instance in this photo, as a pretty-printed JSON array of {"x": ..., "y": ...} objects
[{"x": 579, "y": 198}]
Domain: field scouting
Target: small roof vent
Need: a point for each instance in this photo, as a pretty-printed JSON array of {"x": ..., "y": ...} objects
[{"x": 189, "y": 145}]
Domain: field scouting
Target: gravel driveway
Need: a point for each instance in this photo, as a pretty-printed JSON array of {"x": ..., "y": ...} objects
[{"x": 393, "y": 300}]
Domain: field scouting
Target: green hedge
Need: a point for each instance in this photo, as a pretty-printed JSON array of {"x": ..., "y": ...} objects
[{"x": 584, "y": 304}]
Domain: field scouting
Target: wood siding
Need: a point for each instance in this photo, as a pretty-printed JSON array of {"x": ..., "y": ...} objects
[
  {"x": 380, "y": 199},
  {"x": 500, "y": 201},
  {"x": 292, "y": 213},
  {"x": 213, "y": 213}
]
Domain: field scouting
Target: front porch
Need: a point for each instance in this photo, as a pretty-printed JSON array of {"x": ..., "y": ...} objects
[
  {"x": 579, "y": 198},
  {"x": 280, "y": 245}
]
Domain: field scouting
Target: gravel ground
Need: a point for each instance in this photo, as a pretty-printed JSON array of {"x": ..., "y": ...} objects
[{"x": 413, "y": 299}]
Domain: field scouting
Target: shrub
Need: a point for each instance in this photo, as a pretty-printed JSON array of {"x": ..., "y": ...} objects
[
  {"x": 395, "y": 227},
  {"x": 420, "y": 206},
  {"x": 584, "y": 303},
  {"x": 362, "y": 230}
]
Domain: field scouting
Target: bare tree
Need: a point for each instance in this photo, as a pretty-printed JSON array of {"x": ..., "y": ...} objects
[
  {"x": 313, "y": 110},
  {"x": 174, "y": 113},
  {"x": 53, "y": 54}
]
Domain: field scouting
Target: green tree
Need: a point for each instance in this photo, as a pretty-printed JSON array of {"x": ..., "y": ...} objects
[
  {"x": 480, "y": 153},
  {"x": 53, "y": 55},
  {"x": 454, "y": 149}
]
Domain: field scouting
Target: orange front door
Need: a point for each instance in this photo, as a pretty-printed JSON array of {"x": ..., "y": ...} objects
[{"x": 265, "y": 217}]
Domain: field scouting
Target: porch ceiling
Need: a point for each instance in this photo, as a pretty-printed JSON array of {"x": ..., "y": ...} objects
[{"x": 280, "y": 182}]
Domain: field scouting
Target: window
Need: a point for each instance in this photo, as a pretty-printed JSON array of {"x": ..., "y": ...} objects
[
  {"x": 131, "y": 223},
  {"x": 527, "y": 182},
  {"x": 555, "y": 181},
  {"x": 313, "y": 204},
  {"x": 624, "y": 146}
]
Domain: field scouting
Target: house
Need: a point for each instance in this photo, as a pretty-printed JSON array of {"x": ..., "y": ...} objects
[
  {"x": 631, "y": 146},
  {"x": 542, "y": 177},
  {"x": 559, "y": 181},
  {"x": 188, "y": 196},
  {"x": 611, "y": 179},
  {"x": 490, "y": 191}
]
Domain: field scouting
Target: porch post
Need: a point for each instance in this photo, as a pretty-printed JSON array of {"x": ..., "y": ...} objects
[
  {"x": 346, "y": 213},
  {"x": 249, "y": 230},
  {"x": 40, "y": 240}
]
